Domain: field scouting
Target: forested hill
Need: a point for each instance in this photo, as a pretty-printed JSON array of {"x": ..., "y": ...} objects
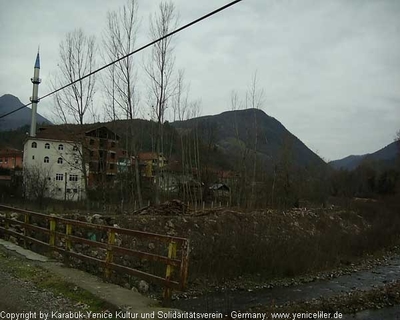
[
  {"x": 385, "y": 156},
  {"x": 235, "y": 133},
  {"x": 227, "y": 136}
]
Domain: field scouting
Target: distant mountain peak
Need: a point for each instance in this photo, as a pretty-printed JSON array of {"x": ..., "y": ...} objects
[
  {"x": 247, "y": 111},
  {"x": 237, "y": 130},
  {"x": 9, "y": 99},
  {"x": 22, "y": 117}
]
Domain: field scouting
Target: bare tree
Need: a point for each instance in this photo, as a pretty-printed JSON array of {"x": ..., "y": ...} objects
[
  {"x": 180, "y": 103},
  {"x": 159, "y": 70},
  {"x": 77, "y": 58},
  {"x": 121, "y": 85},
  {"x": 239, "y": 184},
  {"x": 119, "y": 40},
  {"x": 109, "y": 92},
  {"x": 254, "y": 100},
  {"x": 255, "y": 96},
  {"x": 37, "y": 183},
  {"x": 183, "y": 109}
]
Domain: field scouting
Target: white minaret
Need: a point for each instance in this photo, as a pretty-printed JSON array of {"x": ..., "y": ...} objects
[{"x": 35, "y": 99}]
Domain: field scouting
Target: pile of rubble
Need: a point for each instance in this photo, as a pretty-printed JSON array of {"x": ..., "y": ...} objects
[{"x": 168, "y": 208}]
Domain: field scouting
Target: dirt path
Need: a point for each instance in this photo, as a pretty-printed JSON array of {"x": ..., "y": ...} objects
[
  {"x": 18, "y": 295},
  {"x": 28, "y": 291}
]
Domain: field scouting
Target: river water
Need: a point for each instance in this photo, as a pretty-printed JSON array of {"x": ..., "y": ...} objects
[{"x": 242, "y": 300}]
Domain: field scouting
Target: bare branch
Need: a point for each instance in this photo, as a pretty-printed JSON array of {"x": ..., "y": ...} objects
[{"x": 76, "y": 59}]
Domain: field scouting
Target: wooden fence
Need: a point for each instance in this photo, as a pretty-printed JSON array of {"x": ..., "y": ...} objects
[{"x": 176, "y": 258}]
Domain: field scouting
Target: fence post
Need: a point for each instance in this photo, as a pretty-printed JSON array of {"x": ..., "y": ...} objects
[
  {"x": 68, "y": 231},
  {"x": 7, "y": 225},
  {"x": 52, "y": 240},
  {"x": 170, "y": 269},
  {"x": 26, "y": 220},
  {"x": 184, "y": 264},
  {"x": 109, "y": 255}
]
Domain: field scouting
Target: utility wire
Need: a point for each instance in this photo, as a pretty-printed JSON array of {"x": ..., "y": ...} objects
[
  {"x": 11, "y": 112},
  {"x": 129, "y": 54}
]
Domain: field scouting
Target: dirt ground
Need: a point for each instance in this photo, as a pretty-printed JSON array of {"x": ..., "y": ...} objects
[{"x": 22, "y": 295}]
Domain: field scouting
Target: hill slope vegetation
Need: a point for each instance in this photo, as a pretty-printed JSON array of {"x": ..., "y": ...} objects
[{"x": 243, "y": 132}]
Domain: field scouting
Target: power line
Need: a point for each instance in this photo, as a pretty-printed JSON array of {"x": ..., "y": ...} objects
[
  {"x": 129, "y": 54},
  {"x": 8, "y": 113}
]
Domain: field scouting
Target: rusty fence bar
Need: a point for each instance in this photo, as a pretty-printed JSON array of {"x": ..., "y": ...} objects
[{"x": 176, "y": 267}]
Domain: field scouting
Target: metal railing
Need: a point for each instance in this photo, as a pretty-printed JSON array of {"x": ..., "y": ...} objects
[{"x": 62, "y": 242}]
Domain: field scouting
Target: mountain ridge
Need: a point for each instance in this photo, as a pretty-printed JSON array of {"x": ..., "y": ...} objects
[
  {"x": 237, "y": 131},
  {"x": 235, "y": 135},
  {"x": 8, "y": 103},
  {"x": 385, "y": 155}
]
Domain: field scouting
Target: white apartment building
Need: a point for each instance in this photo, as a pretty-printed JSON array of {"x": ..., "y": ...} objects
[{"x": 58, "y": 165}]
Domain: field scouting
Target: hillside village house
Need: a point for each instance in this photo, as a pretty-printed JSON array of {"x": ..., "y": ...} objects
[
  {"x": 57, "y": 154},
  {"x": 10, "y": 164},
  {"x": 10, "y": 158},
  {"x": 148, "y": 161}
]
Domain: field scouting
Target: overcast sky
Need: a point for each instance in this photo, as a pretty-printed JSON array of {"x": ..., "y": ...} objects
[{"x": 329, "y": 69}]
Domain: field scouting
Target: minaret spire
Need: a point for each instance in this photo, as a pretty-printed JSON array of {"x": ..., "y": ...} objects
[{"x": 35, "y": 98}]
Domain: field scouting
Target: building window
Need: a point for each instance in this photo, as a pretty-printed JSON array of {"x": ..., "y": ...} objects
[
  {"x": 91, "y": 153},
  {"x": 68, "y": 190},
  {"x": 91, "y": 142},
  {"x": 59, "y": 177},
  {"x": 112, "y": 166},
  {"x": 33, "y": 157},
  {"x": 46, "y": 159},
  {"x": 112, "y": 144},
  {"x": 73, "y": 177},
  {"x": 75, "y": 148},
  {"x": 60, "y": 147},
  {"x": 60, "y": 160},
  {"x": 34, "y": 145},
  {"x": 49, "y": 178},
  {"x": 5, "y": 160},
  {"x": 47, "y": 146},
  {"x": 112, "y": 155},
  {"x": 75, "y": 190}
]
